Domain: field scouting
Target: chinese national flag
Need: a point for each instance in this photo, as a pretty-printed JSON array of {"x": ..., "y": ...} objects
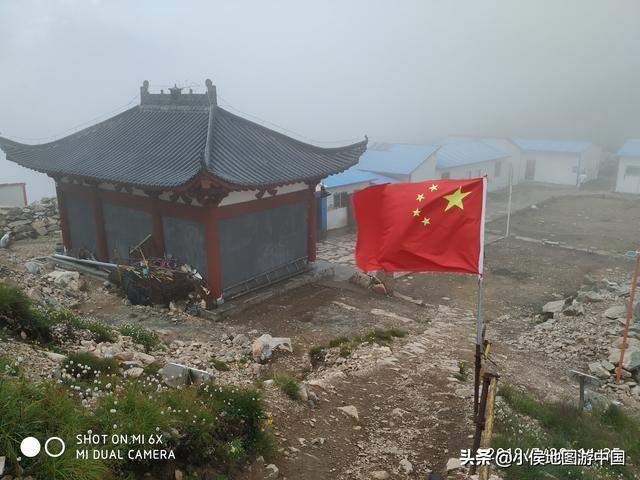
[{"x": 428, "y": 226}]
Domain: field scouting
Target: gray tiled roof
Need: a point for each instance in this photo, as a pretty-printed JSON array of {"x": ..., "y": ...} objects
[{"x": 165, "y": 147}]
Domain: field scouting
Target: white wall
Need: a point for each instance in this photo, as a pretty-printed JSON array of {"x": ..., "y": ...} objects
[
  {"x": 339, "y": 217},
  {"x": 628, "y": 183},
  {"x": 516, "y": 157},
  {"x": 249, "y": 195},
  {"x": 590, "y": 162},
  {"x": 425, "y": 171},
  {"x": 39, "y": 185},
  {"x": 552, "y": 167},
  {"x": 479, "y": 169},
  {"x": 12, "y": 195}
]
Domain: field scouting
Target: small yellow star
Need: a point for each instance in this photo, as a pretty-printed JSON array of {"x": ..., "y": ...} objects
[
  {"x": 420, "y": 197},
  {"x": 426, "y": 221},
  {"x": 416, "y": 212},
  {"x": 455, "y": 199},
  {"x": 433, "y": 187}
]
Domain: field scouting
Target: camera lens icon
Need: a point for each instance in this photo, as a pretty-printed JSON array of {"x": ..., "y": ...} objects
[{"x": 30, "y": 447}]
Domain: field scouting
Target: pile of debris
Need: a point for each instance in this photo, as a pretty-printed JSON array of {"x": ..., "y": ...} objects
[
  {"x": 38, "y": 219},
  {"x": 587, "y": 329}
]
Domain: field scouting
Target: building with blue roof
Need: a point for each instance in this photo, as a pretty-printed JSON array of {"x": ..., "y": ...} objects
[
  {"x": 469, "y": 158},
  {"x": 628, "y": 178},
  {"x": 564, "y": 162}
]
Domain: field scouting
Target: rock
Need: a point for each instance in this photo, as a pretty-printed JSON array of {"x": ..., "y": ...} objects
[
  {"x": 5, "y": 240},
  {"x": 380, "y": 475},
  {"x": 2, "y": 462},
  {"x": 240, "y": 340},
  {"x": 553, "y": 307},
  {"x": 264, "y": 346},
  {"x": 134, "y": 372},
  {"x": 453, "y": 464},
  {"x": 125, "y": 356},
  {"x": 608, "y": 366},
  {"x": 406, "y": 466},
  {"x": 598, "y": 370},
  {"x": 631, "y": 357},
  {"x": 178, "y": 475},
  {"x": 576, "y": 309},
  {"x": 56, "y": 357},
  {"x": 272, "y": 471},
  {"x": 65, "y": 278},
  {"x": 385, "y": 313},
  {"x": 34, "y": 267},
  {"x": 615, "y": 312},
  {"x": 350, "y": 411},
  {"x": 144, "y": 358},
  {"x": 175, "y": 374},
  {"x": 591, "y": 297}
]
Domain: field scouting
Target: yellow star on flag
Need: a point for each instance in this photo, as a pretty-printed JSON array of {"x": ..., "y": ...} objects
[
  {"x": 416, "y": 212},
  {"x": 455, "y": 199},
  {"x": 420, "y": 197},
  {"x": 426, "y": 221},
  {"x": 433, "y": 187}
]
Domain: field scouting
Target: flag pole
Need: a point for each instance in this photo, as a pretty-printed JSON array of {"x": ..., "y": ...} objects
[{"x": 479, "y": 316}]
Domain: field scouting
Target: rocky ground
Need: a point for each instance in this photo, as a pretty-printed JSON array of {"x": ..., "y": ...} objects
[{"x": 396, "y": 409}]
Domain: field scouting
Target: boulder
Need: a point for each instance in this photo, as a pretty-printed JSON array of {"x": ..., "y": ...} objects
[
  {"x": 631, "y": 356},
  {"x": 65, "y": 278},
  {"x": 380, "y": 475},
  {"x": 576, "y": 309},
  {"x": 591, "y": 297},
  {"x": 453, "y": 463},
  {"x": 553, "y": 307},
  {"x": 175, "y": 374},
  {"x": 134, "y": 372},
  {"x": 56, "y": 357},
  {"x": 405, "y": 466},
  {"x": 350, "y": 411},
  {"x": 596, "y": 369},
  {"x": 272, "y": 471},
  {"x": 263, "y": 347},
  {"x": 615, "y": 312}
]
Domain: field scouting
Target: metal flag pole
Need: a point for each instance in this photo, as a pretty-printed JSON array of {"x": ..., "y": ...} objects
[
  {"x": 479, "y": 345},
  {"x": 632, "y": 294}
]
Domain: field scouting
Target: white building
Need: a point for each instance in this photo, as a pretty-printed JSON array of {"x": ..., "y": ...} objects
[
  {"x": 473, "y": 158},
  {"x": 628, "y": 178},
  {"x": 340, "y": 187},
  {"x": 560, "y": 162}
]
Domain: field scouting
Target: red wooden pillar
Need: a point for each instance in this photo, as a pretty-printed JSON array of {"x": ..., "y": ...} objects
[
  {"x": 312, "y": 227},
  {"x": 212, "y": 242},
  {"x": 157, "y": 231},
  {"x": 64, "y": 218},
  {"x": 98, "y": 218}
]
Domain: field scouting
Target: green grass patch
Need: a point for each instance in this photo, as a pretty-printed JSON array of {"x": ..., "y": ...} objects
[
  {"x": 219, "y": 365},
  {"x": 19, "y": 314},
  {"x": 288, "y": 385},
  {"x": 463, "y": 371},
  {"x": 207, "y": 425},
  {"x": 147, "y": 338},
  {"x": 563, "y": 426},
  {"x": 317, "y": 355},
  {"x": 9, "y": 367}
]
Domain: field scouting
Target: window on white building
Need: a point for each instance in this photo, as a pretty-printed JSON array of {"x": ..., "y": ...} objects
[
  {"x": 340, "y": 200},
  {"x": 498, "y": 171},
  {"x": 632, "y": 171}
]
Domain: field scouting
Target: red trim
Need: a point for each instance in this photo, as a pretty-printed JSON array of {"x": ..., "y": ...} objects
[
  {"x": 312, "y": 224},
  {"x": 64, "y": 219},
  {"x": 101, "y": 234},
  {"x": 157, "y": 231},
  {"x": 212, "y": 245},
  {"x": 236, "y": 209}
]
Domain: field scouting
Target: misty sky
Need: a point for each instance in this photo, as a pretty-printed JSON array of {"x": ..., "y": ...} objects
[{"x": 400, "y": 71}]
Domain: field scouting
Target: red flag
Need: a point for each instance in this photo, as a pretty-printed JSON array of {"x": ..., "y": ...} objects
[{"x": 428, "y": 226}]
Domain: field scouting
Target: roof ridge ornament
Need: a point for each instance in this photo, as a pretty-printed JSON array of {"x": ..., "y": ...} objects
[{"x": 212, "y": 93}]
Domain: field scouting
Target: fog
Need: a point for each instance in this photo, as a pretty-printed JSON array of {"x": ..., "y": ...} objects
[{"x": 327, "y": 71}]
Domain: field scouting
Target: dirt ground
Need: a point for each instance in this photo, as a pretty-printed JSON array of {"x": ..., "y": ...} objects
[{"x": 409, "y": 403}]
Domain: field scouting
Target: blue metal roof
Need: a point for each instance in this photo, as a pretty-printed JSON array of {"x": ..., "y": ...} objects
[
  {"x": 465, "y": 152},
  {"x": 559, "y": 146},
  {"x": 395, "y": 158},
  {"x": 631, "y": 148},
  {"x": 348, "y": 177}
]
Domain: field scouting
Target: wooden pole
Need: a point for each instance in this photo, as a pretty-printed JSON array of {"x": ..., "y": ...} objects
[
  {"x": 634, "y": 284},
  {"x": 480, "y": 418},
  {"x": 487, "y": 432}
]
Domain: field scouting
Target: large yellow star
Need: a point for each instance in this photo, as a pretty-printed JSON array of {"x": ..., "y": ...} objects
[
  {"x": 455, "y": 199},
  {"x": 416, "y": 212},
  {"x": 420, "y": 197}
]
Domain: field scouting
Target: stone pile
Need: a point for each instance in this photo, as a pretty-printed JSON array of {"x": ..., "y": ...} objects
[
  {"x": 35, "y": 220},
  {"x": 586, "y": 329}
]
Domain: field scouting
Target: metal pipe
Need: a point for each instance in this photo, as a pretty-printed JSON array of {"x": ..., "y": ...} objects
[{"x": 95, "y": 263}]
